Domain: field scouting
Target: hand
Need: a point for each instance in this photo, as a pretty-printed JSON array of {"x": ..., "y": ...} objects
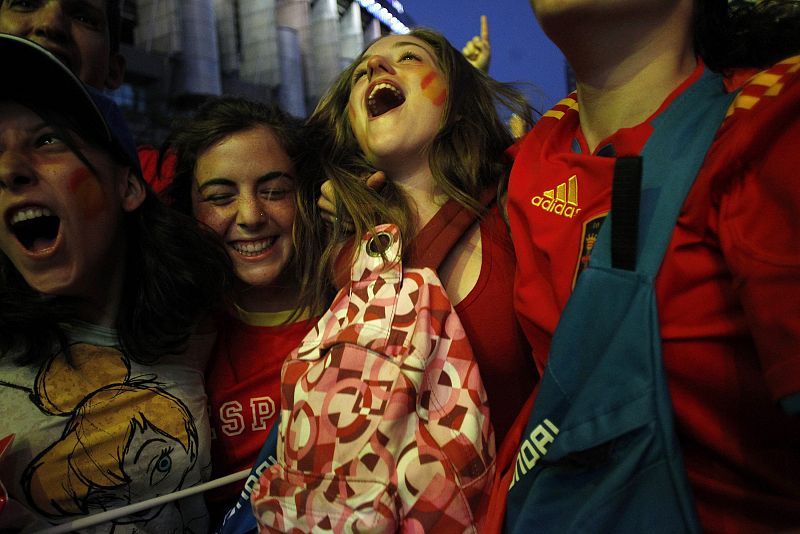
[
  {"x": 517, "y": 126},
  {"x": 478, "y": 51},
  {"x": 327, "y": 198},
  {"x": 327, "y": 202}
]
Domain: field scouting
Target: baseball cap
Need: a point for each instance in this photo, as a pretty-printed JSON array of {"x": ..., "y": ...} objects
[{"x": 33, "y": 75}]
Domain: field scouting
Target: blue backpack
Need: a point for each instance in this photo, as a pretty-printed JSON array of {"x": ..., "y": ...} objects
[{"x": 599, "y": 453}]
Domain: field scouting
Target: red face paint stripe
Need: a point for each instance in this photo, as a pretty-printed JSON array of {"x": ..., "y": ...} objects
[
  {"x": 78, "y": 178},
  {"x": 88, "y": 193},
  {"x": 426, "y": 81}
]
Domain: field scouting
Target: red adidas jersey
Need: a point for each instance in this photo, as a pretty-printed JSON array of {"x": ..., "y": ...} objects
[
  {"x": 243, "y": 380},
  {"x": 728, "y": 290}
]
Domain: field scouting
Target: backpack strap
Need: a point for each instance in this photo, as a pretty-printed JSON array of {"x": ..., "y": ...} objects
[
  {"x": 642, "y": 219},
  {"x": 437, "y": 238},
  {"x": 625, "y": 207},
  {"x": 431, "y": 245}
]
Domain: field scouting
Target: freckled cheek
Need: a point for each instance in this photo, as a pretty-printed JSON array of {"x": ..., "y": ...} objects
[
  {"x": 283, "y": 214},
  {"x": 434, "y": 88},
  {"x": 215, "y": 217},
  {"x": 87, "y": 192}
]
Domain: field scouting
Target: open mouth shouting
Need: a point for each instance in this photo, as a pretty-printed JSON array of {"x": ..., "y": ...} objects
[
  {"x": 382, "y": 98},
  {"x": 35, "y": 227}
]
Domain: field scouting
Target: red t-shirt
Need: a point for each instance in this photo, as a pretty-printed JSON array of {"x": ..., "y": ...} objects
[
  {"x": 728, "y": 290},
  {"x": 497, "y": 341},
  {"x": 243, "y": 384}
]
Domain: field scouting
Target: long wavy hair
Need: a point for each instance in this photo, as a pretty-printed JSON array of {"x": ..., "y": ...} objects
[
  {"x": 466, "y": 156},
  {"x": 221, "y": 117},
  {"x": 742, "y": 33},
  {"x": 176, "y": 273}
]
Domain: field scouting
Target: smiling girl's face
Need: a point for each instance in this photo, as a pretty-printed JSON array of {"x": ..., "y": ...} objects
[{"x": 245, "y": 192}]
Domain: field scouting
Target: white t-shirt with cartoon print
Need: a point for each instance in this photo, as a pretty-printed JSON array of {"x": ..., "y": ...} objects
[{"x": 105, "y": 432}]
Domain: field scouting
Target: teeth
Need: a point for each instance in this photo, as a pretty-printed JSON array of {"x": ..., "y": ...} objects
[
  {"x": 378, "y": 103},
  {"x": 385, "y": 85},
  {"x": 253, "y": 248},
  {"x": 30, "y": 213}
]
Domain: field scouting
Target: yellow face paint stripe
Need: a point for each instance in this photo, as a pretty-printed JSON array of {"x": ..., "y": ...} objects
[{"x": 433, "y": 88}]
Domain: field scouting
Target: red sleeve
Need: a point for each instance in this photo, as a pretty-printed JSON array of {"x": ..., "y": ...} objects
[
  {"x": 759, "y": 220},
  {"x": 158, "y": 178},
  {"x": 513, "y": 150}
]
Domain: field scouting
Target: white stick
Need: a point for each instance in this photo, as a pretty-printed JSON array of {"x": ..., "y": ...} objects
[{"x": 122, "y": 511}]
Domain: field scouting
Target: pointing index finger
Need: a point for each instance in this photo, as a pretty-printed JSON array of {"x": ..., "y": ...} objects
[{"x": 484, "y": 28}]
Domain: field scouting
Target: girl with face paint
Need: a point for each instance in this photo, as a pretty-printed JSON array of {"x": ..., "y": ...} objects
[
  {"x": 412, "y": 111},
  {"x": 415, "y": 112},
  {"x": 102, "y": 289}
]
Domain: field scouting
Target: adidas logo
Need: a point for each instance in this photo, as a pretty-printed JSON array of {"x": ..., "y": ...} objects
[{"x": 563, "y": 200}]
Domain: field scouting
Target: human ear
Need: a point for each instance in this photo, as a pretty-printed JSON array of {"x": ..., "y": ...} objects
[
  {"x": 133, "y": 191},
  {"x": 116, "y": 71}
]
